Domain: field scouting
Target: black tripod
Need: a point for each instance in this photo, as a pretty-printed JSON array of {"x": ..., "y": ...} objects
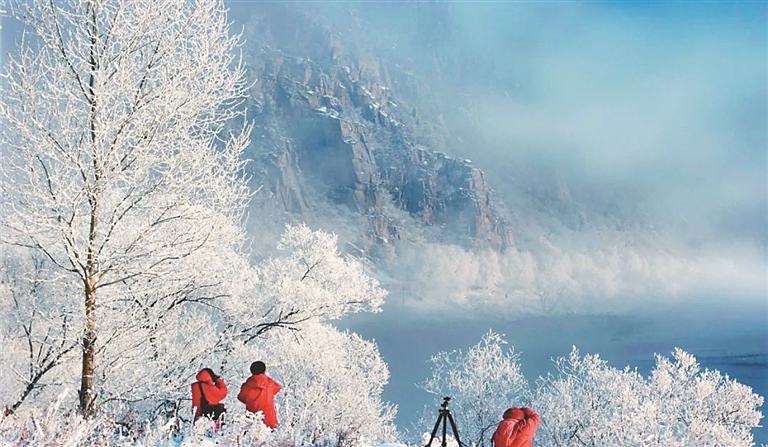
[{"x": 445, "y": 413}]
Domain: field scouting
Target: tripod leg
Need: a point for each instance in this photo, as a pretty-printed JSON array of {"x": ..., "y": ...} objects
[
  {"x": 434, "y": 430},
  {"x": 455, "y": 431},
  {"x": 444, "y": 426}
]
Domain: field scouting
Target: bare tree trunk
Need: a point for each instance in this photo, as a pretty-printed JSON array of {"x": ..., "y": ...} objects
[
  {"x": 91, "y": 266},
  {"x": 89, "y": 345}
]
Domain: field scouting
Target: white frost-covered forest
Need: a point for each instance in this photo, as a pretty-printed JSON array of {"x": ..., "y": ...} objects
[{"x": 126, "y": 269}]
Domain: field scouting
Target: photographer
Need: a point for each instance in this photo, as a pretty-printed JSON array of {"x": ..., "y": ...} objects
[
  {"x": 207, "y": 394},
  {"x": 517, "y": 428},
  {"x": 258, "y": 394}
]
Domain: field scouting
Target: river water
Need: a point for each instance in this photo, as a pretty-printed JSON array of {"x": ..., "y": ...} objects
[{"x": 723, "y": 334}]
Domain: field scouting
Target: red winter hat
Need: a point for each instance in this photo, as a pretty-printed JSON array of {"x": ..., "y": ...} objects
[{"x": 514, "y": 413}]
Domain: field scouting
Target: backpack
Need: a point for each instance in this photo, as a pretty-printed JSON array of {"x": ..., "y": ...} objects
[{"x": 214, "y": 411}]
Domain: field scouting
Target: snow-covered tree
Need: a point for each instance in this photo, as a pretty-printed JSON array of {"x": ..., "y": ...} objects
[
  {"x": 482, "y": 383},
  {"x": 589, "y": 403},
  {"x": 702, "y": 407},
  {"x": 308, "y": 279},
  {"x": 332, "y": 380},
  {"x": 117, "y": 169}
]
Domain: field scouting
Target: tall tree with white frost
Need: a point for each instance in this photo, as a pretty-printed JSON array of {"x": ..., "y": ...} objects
[{"x": 114, "y": 165}]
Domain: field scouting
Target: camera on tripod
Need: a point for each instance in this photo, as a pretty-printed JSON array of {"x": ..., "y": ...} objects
[{"x": 445, "y": 417}]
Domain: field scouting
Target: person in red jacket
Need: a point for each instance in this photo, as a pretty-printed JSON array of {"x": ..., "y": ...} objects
[
  {"x": 517, "y": 428},
  {"x": 214, "y": 389},
  {"x": 258, "y": 394}
]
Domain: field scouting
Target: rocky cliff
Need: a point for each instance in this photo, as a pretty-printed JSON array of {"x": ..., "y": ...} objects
[{"x": 334, "y": 120}]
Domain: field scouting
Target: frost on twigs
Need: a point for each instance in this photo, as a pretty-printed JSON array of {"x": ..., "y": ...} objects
[
  {"x": 308, "y": 280},
  {"x": 333, "y": 379},
  {"x": 317, "y": 278},
  {"x": 587, "y": 402},
  {"x": 482, "y": 383},
  {"x": 336, "y": 379}
]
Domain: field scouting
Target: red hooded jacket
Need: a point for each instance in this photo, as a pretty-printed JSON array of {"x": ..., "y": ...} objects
[
  {"x": 214, "y": 393},
  {"x": 258, "y": 394},
  {"x": 517, "y": 428}
]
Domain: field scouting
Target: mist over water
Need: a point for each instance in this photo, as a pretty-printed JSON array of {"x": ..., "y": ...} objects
[{"x": 724, "y": 333}]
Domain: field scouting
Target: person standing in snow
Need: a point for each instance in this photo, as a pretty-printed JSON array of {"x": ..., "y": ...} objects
[
  {"x": 258, "y": 394},
  {"x": 207, "y": 394},
  {"x": 517, "y": 428}
]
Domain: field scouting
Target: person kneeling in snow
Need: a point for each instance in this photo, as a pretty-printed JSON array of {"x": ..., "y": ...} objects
[
  {"x": 207, "y": 394},
  {"x": 258, "y": 394},
  {"x": 517, "y": 428}
]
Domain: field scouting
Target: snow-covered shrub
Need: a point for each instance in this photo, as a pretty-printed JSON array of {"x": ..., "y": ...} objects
[
  {"x": 332, "y": 383},
  {"x": 589, "y": 403},
  {"x": 54, "y": 427}
]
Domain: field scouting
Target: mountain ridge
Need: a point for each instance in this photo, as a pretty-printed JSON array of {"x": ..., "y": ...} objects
[{"x": 332, "y": 120}]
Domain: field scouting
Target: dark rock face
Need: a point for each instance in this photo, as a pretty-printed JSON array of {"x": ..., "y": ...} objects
[{"x": 338, "y": 122}]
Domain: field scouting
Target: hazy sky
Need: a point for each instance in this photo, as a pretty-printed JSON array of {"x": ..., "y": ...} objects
[
  {"x": 668, "y": 98},
  {"x": 656, "y": 111}
]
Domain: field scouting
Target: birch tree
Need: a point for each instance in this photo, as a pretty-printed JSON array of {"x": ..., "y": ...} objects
[{"x": 119, "y": 166}]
